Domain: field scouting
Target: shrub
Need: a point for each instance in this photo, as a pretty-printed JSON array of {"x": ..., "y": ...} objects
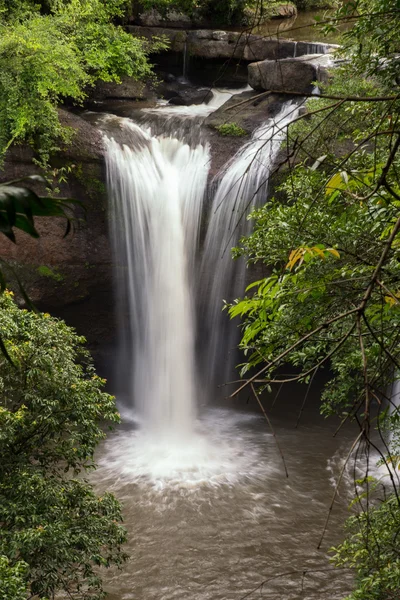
[
  {"x": 232, "y": 129},
  {"x": 56, "y": 531}
]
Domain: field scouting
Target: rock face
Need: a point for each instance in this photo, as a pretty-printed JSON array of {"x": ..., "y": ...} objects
[
  {"x": 288, "y": 75},
  {"x": 70, "y": 277},
  {"x": 212, "y": 44},
  {"x": 128, "y": 89},
  {"x": 246, "y": 110}
]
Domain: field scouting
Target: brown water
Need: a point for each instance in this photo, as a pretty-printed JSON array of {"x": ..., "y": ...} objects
[{"x": 213, "y": 516}]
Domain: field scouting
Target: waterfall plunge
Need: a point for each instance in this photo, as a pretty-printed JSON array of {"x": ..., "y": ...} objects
[
  {"x": 157, "y": 194},
  {"x": 157, "y": 187}
]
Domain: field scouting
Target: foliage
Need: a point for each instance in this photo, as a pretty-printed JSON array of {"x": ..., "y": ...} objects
[
  {"x": 331, "y": 240},
  {"x": 12, "y": 580},
  {"x": 328, "y": 206},
  {"x": 53, "y": 51},
  {"x": 372, "y": 548},
  {"x": 55, "y": 530},
  {"x": 232, "y": 129},
  {"x": 19, "y": 205},
  {"x": 373, "y": 40}
]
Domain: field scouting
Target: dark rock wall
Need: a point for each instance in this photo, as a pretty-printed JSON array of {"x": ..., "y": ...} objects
[{"x": 71, "y": 276}]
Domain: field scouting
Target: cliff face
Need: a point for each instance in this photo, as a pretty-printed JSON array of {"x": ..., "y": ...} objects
[{"x": 69, "y": 277}]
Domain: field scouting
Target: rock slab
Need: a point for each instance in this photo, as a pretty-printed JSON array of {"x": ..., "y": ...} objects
[
  {"x": 290, "y": 74},
  {"x": 213, "y": 44}
]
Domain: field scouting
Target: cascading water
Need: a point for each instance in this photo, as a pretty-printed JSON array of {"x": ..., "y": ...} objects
[
  {"x": 157, "y": 186},
  {"x": 239, "y": 188},
  {"x": 157, "y": 193}
]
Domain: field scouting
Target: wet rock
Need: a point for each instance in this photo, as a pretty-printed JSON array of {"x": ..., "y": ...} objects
[
  {"x": 180, "y": 93},
  {"x": 248, "y": 112},
  {"x": 129, "y": 88},
  {"x": 291, "y": 74},
  {"x": 212, "y": 44},
  {"x": 172, "y": 18},
  {"x": 220, "y": 36}
]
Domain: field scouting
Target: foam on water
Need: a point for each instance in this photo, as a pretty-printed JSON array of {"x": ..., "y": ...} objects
[
  {"x": 221, "y": 450},
  {"x": 218, "y": 98}
]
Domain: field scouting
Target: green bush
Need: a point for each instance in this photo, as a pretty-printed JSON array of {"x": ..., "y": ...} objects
[
  {"x": 232, "y": 129},
  {"x": 13, "y": 585},
  {"x": 56, "y": 531},
  {"x": 56, "y": 51},
  {"x": 371, "y": 548}
]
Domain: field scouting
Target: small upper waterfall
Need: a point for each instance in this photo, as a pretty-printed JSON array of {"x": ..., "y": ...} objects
[
  {"x": 157, "y": 191},
  {"x": 241, "y": 185}
]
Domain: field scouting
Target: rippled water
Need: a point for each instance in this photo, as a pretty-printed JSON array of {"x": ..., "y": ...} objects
[{"x": 213, "y": 516}]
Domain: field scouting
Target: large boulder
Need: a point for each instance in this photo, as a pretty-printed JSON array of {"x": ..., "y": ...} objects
[
  {"x": 128, "y": 89},
  {"x": 290, "y": 74},
  {"x": 182, "y": 93}
]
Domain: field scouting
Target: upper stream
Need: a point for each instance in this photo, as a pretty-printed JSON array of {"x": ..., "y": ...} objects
[{"x": 208, "y": 508}]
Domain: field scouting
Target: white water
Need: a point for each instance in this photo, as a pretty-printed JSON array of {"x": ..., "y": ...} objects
[
  {"x": 241, "y": 186},
  {"x": 213, "y": 101},
  {"x": 157, "y": 187},
  {"x": 157, "y": 194}
]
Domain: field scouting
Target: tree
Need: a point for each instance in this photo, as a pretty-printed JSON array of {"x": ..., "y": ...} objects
[
  {"x": 55, "y": 530},
  {"x": 56, "y": 50},
  {"x": 331, "y": 240}
]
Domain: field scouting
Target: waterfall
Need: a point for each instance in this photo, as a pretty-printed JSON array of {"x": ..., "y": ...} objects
[
  {"x": 185, "y": 61},
  {"x": 157, "y": 190},
  {"x": 242, "y": 185},
  {"x": 157, "y": 186}
]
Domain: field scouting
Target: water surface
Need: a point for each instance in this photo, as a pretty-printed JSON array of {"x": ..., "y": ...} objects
[{"x": 214, "y": 516}]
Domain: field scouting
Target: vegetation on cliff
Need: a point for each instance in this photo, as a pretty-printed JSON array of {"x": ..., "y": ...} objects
[
  {"x": 55, "y": 531},
  {"x": 332, "y": 300},
  {"x": 55, "y": 50}
]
